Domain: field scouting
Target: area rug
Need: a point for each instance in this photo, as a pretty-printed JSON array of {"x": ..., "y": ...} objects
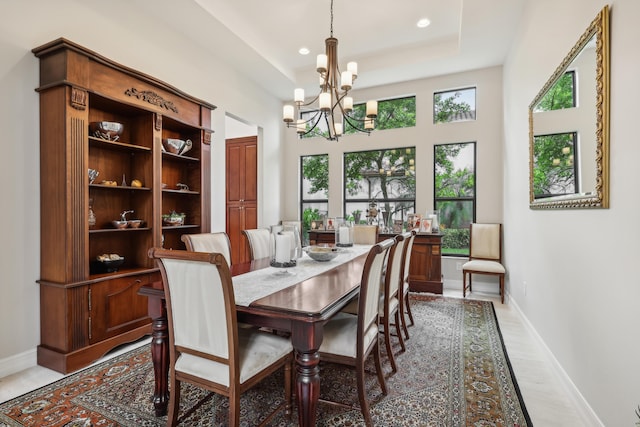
[{"x": 454, "y": 372}]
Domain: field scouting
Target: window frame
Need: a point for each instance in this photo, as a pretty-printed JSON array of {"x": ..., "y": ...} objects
[
  {"x": 473, "y": 199},
  {"x": 475, "y": 106}
]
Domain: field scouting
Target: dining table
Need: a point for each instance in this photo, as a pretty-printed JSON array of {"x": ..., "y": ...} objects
[{"x": 296, "y": 301}]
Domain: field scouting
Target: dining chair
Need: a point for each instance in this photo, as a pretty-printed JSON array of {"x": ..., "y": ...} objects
[
  {"x": 390, "y": 296},
  {"x": 365, "y": 234},
  {"x": 405, "y": 306},
  {"x": 209, "y": 242},
  {"x": 485, "y": 255},
  {"x": 349, "y": 339},
  {"x": 260, "y": 245},
  {"x": 206, "y": 348}
]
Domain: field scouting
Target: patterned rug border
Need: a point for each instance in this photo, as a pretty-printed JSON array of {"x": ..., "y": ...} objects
[{"x": 516, "y": 386}]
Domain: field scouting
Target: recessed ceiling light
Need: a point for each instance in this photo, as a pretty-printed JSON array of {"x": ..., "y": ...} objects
[
  {"x": 303, "y": 51},
  {"x": 423, "y": 23}
]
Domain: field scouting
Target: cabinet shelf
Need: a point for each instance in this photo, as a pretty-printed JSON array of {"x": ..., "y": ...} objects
[
  {"x": 118, "y": 230},
  {"x": 179, "y": 227},
  {"x": 178, "y": 157},
  {"x": 171, "y": 191},
  {"x": 119, "y": 187},
  {"x": 116, "y": 145}
]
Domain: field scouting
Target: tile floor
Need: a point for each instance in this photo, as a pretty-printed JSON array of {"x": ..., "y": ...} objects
[{"x": 547, "y": 402}]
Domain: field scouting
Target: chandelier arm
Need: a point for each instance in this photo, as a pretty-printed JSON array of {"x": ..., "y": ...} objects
[{"x": 356, "y": 126}]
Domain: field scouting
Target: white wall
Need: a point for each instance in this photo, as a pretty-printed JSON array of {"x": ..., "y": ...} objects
[
  {"x": 582, "y": 290},
  {"x": 128, "y": 33}
]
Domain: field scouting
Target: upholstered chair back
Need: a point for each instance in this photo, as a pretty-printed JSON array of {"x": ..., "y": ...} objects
[
  {"x": 395, "y": 266},
  {"x": 209, "y": 242},
  {"x": 202, "y": 314},
  {"x": 370, "y": 293},
  {"x": 365, "y": 234},
  {"x": 260, "y": 244},
  {"x": 407, "y": 256},
  {"x": 485, "y": 242}
]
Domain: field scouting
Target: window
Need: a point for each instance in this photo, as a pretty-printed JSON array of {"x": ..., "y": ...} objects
[
  {"x": 455, "y": 194},
  {"x": 385, "y": 178},
  {"x": 392, "y": 114},
  {"x": 314, "y": 188},
  {"x": 454, "y": 105},
  {"x": 555, "y": 171}
]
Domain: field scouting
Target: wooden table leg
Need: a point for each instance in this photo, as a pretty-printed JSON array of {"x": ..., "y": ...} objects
[
  {"x": 307, "y": 387},
  {"x": 160, "y": 358}
]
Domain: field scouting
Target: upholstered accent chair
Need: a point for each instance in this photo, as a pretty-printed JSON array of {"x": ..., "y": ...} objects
[
  {"x": 260, "y": 245},
  {"x": 391, "y": 294},
  {"x": 485, "y": 255},
  {"x": 405, "y": 306},
  {"x": 209, "y": 242},
  {"x": 206, "y": 348},
  {"x": 350, "y": 339},
  {"x": 365, "y": 234}
]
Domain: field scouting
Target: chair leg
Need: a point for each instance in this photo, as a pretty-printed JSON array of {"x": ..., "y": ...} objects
[
  {"x": 409, "y": 312},
  {"x": 174, "y": 403},
  {"x": 502, "y": 288},
  {"x": 288, "y": 386},
  {"x": 403, "y": 320},
  {"x": 398, "y": 315},
  {"x": 234, "y": 408},
  {"x": 464, "y": 284},
  {"x": 362, "y": 393},
  {"x": 387, "y": 341}
]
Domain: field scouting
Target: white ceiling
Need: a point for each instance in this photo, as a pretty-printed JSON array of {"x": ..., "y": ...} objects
[{"x": 261, "y": 38}]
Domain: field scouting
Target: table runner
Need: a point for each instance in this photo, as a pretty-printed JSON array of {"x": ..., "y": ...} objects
[{"x": 257, "y": 284}]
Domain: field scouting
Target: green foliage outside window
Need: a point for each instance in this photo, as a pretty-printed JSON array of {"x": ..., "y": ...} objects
[{"x": 560, "y": 95}]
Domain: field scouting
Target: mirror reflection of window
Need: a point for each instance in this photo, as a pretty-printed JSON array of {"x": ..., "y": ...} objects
[
  {"x": 561, "y": 95},
  {"x": 555, "y": 168},
  {"x": 456, "y": 105}
]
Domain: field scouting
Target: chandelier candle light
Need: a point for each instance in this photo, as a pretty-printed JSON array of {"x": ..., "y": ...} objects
[{"x": 335, "y": 106}]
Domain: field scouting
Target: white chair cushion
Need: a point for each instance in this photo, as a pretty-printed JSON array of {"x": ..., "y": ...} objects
[
  {"x": 257, "y": 350},
  {"x": 484, "y": 266},
  {"x": 340, "y": 335}
]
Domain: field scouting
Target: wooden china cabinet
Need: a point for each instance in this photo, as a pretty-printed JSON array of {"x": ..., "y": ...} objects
[{"x": 85, "y": 309}]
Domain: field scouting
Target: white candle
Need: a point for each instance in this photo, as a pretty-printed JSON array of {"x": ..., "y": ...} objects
[
  {"x": 321, "y": 63},
  {"x": 325, "y": 101},
  {"x": 353, "y": 67},
  {"x": 369, "y": 123},
  {"x": 298, "y": 95},
  {"x": 338, "y": 128},
  {"x": 346, "y": 79},
  {"x": 283, "y": 248},
  {"x": 372, "y": 109},
  {"x": 287, "y": 113},
  {"x": 343, "y": 235},
  {"x": 301, "y": 126},
  {"x": 347, "y": 104}
]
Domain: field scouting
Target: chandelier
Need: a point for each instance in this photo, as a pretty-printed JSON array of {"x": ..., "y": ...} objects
[{"x": 335, "y": 108}]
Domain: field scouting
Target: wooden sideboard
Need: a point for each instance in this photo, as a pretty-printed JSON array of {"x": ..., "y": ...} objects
[{"x": 425, "y": 270}]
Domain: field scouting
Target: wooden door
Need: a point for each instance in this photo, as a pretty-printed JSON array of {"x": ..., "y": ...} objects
[{"x": 241, "y": 193}]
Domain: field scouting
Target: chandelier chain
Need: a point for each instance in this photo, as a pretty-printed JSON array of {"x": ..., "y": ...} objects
[{"x": 331, "y": 27}]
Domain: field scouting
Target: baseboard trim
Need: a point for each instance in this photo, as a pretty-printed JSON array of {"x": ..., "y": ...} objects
[
  {"x": 18, "y": 362},
  {"x": 584, "y": 410}
]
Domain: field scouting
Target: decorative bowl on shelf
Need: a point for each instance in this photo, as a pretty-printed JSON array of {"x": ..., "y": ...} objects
[
  {"x": 176, "y": 146},
  {"x": 322, "y": 253},
  {"x": 106, "y": 263},
  {"x": 134, "y": 223},
  {"x": 120, "y": 224},
  {"x": 173, "y": 218},
  {"x": 111, "y": 131}
]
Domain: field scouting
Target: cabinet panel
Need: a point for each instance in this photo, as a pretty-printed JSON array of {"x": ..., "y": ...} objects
[
  {"x": 116, "y": 307},
  {"x": 425, "y": 267}
]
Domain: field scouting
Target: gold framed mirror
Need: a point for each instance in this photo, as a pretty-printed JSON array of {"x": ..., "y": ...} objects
[{"x": 569, "y": 127}]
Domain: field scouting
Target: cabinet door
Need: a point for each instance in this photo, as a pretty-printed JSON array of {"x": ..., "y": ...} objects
[{"x": 115, "y": 306}]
